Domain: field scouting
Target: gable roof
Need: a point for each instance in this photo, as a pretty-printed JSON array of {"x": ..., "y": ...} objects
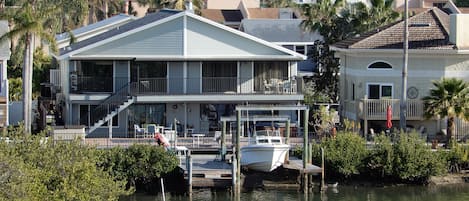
[
  {"x": 106, "y": 24},
  {"x": 279, "y": 30},
  {"x": 427, "y": 30},
  {"x": 175, "y": 35},
  {"x": 119, "y": 30}
]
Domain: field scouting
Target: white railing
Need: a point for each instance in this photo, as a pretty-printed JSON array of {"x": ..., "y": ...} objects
[
  {"x": 462, "y": 129},
  {"x": 376, "y": 109}
]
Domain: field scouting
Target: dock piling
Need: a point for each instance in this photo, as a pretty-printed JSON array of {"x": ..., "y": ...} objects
[{"x": 189, "y": 171}]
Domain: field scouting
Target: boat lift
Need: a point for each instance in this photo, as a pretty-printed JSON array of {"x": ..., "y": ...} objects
[{"x": 240, "y": 108}]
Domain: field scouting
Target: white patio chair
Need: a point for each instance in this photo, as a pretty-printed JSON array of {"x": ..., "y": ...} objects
[{"x": 139, "y": 132}]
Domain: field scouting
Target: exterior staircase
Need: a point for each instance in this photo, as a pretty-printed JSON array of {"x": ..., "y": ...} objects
[{"x": 110, "y": 107}]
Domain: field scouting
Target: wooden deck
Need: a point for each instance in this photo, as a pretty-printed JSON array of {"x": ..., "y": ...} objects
[
  {"x": 297, "y": 164},
  {"x": 208, "y": 172}
]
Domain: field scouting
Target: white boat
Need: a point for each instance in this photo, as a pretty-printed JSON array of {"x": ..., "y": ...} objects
[{"x": 265, "y": 151}]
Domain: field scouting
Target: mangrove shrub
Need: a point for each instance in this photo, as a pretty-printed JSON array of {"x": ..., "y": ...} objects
[
  {"x": 344, "y": 154},
  {"x": 34, "y": 168},
  {"x": 139, "y": 163}
]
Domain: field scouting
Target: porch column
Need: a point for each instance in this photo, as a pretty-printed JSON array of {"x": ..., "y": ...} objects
[{"x": 109, "y": 123}]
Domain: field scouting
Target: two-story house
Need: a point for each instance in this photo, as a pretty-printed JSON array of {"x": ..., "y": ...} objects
[
  {"x": 4, "y": 56},
  {"x": 371, "y": 69},
  {"x": 171, "y": 65}
]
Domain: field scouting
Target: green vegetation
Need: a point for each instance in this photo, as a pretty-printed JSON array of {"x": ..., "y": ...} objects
[
  {"x": 336, "y": 21},
  {"x": 138, "y": 164},
  {"x": 34, "y": 168},
  {"x": 408, "y": 159},
  {"x": 449, "y": 98},
  {"x": 343, "y": 154}
]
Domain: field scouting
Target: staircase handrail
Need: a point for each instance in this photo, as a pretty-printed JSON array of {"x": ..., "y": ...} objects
[{"x": 109, "y": 104}]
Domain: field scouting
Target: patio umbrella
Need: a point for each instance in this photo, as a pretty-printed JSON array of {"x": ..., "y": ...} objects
[{"x": 389, "y": 117}]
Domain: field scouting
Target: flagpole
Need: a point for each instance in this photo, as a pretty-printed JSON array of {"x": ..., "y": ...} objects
[{"x": 403, "y": 102}]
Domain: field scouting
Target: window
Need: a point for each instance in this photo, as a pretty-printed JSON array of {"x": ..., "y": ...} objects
[
  {"x": 380, "y": 65},
  {"x": 379, "y": 91},
  {"x": 95, "y": 76},
  {"x": 147, "y": 69},
  {"x": 219, "y": 76},
  {"x": 268, "y": 70}
]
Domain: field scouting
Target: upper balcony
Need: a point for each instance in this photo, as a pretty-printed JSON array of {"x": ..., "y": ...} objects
[
  {"x": 188, "y": 86},
  {"x": 375, "y": 109}
]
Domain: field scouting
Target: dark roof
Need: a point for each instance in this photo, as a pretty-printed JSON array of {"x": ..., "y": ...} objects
[
  {"x": 279, "y": 30},
  {"x": 222, "y": 16},
  {"x": 427, "y": 30},
  {"x": 119, "y": 30}
]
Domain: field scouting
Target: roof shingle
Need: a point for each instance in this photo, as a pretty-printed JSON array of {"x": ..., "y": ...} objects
[{"x": 427, "y": 30}]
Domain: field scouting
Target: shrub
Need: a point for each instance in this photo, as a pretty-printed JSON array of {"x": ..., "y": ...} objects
[
  {"x": 457, "y": 158},
  {"x": 380, "y": 161},
  {"x": 34, "y": 168},
  {"x": 415, "y": 162},
  {"x": 343, "y": 154},
  {"x": 138, "y": 163}
]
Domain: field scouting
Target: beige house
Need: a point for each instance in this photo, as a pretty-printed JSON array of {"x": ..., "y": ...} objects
[{"x": 371, "y": 69}]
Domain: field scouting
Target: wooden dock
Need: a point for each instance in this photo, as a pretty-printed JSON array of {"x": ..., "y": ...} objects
[
  {"x": 208, "y": 172},
  {"x": 297, "y": 164}
]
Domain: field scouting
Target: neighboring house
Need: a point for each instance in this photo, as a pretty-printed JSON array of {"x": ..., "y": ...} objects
[
  {"x": 91, "y": 30},
  {"x": 232, "y": 4},
  {"x": 171, "y": 65},
  {"x": 4, "y": 56},
  {"x": 371, "y": 69},
  {"x": 287, "y": 33}
]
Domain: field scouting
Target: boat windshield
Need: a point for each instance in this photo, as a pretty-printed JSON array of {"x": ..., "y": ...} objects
[{"x": 267, "y": 133}]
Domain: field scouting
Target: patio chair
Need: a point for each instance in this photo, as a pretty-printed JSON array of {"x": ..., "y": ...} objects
[
  {"x": 151, "y": 130},
  {"x": 217, "y": 136},
  {"x": 267, "y": 87},
  {"x": 139, "y": 132}
]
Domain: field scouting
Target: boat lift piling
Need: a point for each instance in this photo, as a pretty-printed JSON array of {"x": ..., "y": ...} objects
[{"x": 306, "y": 150}]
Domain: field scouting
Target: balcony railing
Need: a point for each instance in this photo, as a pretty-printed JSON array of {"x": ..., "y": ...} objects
[
  {"x": 375, "y": 109},
  {"x": 187, "y": 86}
]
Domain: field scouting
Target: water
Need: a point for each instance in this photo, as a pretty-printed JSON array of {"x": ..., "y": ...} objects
[{"x": 459, "y": 192}]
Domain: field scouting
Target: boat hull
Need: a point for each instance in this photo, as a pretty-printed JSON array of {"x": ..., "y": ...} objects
[{"x": 264, "y": 157}]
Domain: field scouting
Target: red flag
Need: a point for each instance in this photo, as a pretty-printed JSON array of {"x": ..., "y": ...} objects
[{"x": 389, "y": 117}]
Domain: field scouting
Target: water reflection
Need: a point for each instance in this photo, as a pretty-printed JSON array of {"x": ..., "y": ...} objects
[{"x": 342, "y": 193}]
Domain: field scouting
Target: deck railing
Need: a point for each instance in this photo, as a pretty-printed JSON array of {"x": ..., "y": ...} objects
[
  {"x": 375, "y": 109},
  {"x": 187, "y": 86}
]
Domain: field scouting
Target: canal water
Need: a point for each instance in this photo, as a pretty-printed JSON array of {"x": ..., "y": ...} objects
[{"x": 459, "y": 192}]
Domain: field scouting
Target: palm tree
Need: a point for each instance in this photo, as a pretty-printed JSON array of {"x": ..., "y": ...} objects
[
  {"x": 31, "y": 19},
  {"x": 380, "y": 13},
  {"x": 449, "y": 98},
  {"x": 197, "y": 5}
]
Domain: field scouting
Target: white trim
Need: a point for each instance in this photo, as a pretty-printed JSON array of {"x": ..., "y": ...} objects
[
  {"x": 184, "y": 77},
  {"x": 230, "y": 57},
  {"x": 394, "y": 73},
  {"x": 380, "y": 84},
  {"x": 184, "y": 37},
  {"x": 399, "y": 51},
  {"x": 376, "y": 61},
  {"x": 128, "y": 71}
]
